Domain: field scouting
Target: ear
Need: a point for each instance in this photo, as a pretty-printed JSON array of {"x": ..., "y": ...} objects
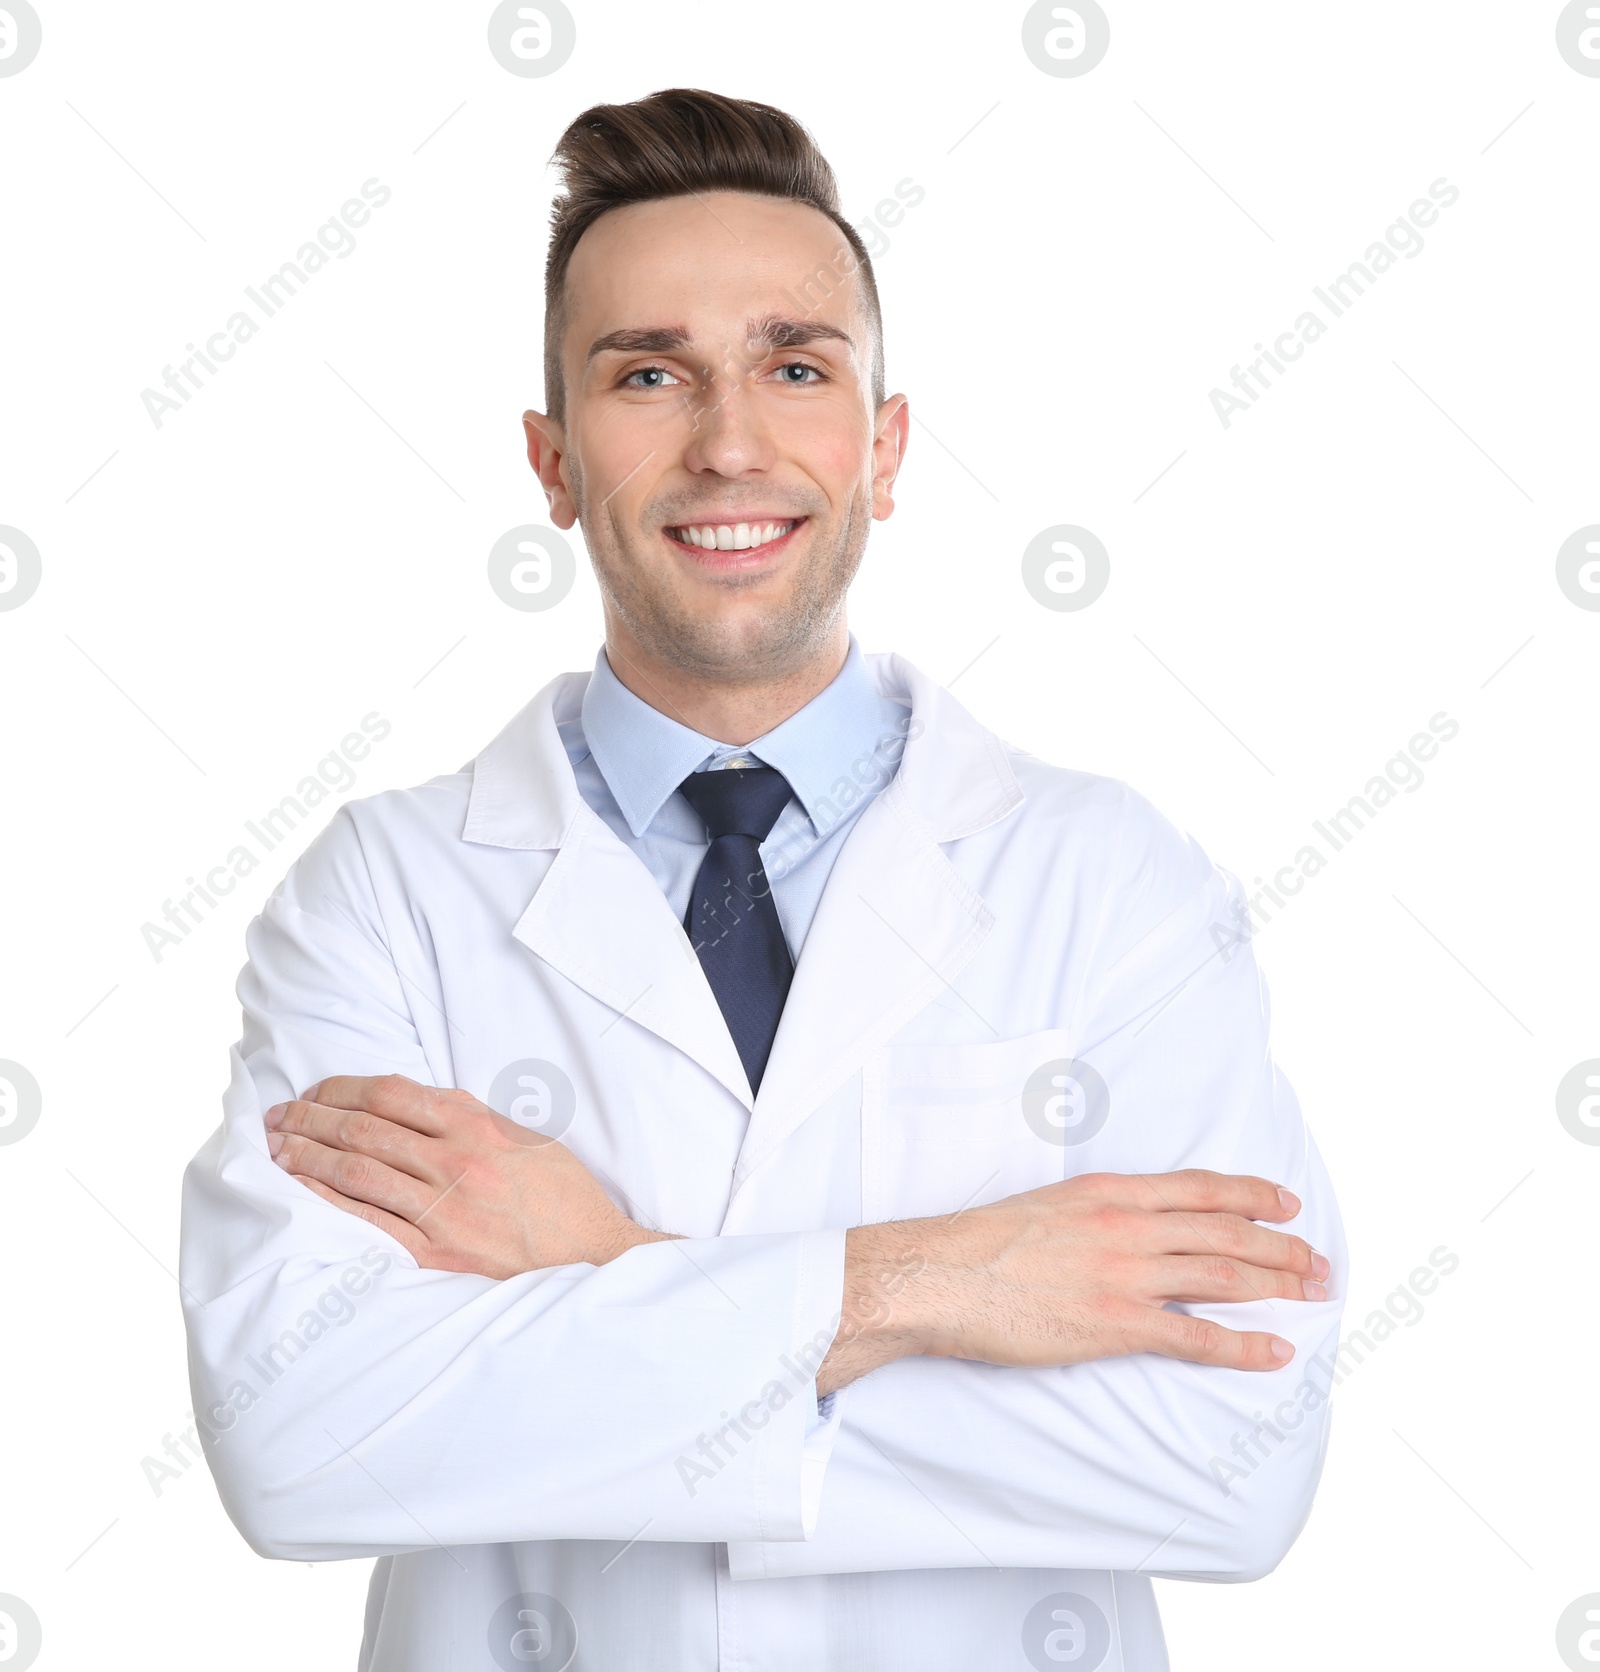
[
  {"x": 888, "y": 450},
  {"x": 547, "y": 443}
]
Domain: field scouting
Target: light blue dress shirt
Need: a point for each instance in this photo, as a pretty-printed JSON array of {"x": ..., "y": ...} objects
[{"x": 837, "y": 752}]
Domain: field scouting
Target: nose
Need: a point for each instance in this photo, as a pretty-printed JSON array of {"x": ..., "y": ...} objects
[{"x": 728, "y": 436}]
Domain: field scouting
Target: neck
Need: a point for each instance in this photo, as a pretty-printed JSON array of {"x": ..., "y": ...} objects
[{"x": 730, "y": 710}]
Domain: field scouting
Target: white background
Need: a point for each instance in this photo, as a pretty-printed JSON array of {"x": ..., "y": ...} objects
[{"x": 224, "y": 597}]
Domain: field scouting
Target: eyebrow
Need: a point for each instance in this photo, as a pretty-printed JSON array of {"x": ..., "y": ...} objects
[{"x": 763, "y": 335}]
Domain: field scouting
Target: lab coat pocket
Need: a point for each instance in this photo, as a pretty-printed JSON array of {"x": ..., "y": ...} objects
[{"x": 947, "y": 1127}]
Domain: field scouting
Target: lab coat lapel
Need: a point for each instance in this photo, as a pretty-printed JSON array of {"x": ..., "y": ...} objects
[
  {"x": 896, "y": 923},
  {"x": 893, "y": 929},
  {"x": 601, "y": 919},
  {"x": 598, "y": 917}
]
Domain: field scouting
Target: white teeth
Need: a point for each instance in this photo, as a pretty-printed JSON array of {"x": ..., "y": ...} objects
[{"x": 732, "y": 537}]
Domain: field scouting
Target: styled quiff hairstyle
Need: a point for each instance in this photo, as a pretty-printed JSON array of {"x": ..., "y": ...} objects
[{"x": 682, "y": 142}]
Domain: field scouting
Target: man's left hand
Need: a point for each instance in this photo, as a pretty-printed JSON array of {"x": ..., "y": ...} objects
[{"x": 461, "y": 1187}]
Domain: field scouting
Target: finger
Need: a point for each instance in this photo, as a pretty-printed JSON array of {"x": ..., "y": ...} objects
[
  {"x": 1195, "y": 1190},
  {"x": 1237, "y": 1238},
  {"x": 397, "y": 1099},
  {"x": 407, "y": 1235},
  {"x": 1214, "y": 1277},
  {"x": 356, "y": 1176},
  {"x": 361, "y": 1133},
  {"x": 1200, "y": 1341}
]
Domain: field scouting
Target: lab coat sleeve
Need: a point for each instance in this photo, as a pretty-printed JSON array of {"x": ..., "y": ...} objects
[
  {"x": 353, "y": 1404},
  {"x": 1141, "y": 1462}
]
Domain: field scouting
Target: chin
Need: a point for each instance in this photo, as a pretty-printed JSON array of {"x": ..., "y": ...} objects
[{"x": 741, "y": 643}]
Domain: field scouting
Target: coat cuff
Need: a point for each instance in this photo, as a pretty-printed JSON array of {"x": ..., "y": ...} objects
[
  {"x": 792, "y": 1464},
  {"x": 814, "y": 1460}
]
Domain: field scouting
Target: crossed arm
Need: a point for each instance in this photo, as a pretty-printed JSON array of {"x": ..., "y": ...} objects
[
  {"x": 526, "y": 1306},
  {"x": 1073, "y": 1272}
]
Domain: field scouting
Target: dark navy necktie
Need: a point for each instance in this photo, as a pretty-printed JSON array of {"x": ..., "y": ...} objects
[{"x": 732, "y": 922}]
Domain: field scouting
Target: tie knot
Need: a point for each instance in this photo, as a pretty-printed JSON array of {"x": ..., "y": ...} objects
[{"x": 737, "y": 801}]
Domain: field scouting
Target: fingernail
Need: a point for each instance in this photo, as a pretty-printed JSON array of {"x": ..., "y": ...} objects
[
  {"x": 275, "y": 1143},
  {"x": 275, "y": 1114},
  {"x": 1281, "y": 1350},
  {"x": 1288, "y": 1201},
  {"x": 1312, "y": 1291},
  {"x": 1320, "y": 1266}
]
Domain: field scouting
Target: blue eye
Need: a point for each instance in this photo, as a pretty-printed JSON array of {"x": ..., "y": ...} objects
[
  {"x": 659, "y": 372},
  {"x": 798, "y": 366}
]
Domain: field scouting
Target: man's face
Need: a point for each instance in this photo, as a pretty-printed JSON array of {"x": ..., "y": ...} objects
[{"x": 721, "y": 445}]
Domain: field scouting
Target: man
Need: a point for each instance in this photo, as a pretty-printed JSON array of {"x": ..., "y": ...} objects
[{"x": 903, "y": 1287}]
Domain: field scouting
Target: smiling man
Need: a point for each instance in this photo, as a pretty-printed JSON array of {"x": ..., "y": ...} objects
[{"x": 753, "y": 1172}]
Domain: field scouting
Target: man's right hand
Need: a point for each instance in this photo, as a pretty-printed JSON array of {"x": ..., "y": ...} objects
[{"x": 1076, "y": 1271}]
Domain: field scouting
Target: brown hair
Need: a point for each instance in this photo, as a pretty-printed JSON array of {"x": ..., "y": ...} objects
[{"x": 677, "y": 143}]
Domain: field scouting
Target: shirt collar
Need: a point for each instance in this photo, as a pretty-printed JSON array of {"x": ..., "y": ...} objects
[{"x": 644, "y": 754}]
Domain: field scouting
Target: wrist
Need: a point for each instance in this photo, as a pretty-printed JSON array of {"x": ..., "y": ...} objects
[
  {"x": 893, "y": 1284},
  {"x": 590, "y": 1245},
  {"x": 626, "y": 1235}
]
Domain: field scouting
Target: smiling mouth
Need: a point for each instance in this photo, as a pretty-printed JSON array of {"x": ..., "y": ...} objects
[{"x": 733, "y": 537}]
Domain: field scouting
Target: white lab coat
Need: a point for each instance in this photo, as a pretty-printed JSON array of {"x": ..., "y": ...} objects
[{"x": 500, "y": 1443}]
